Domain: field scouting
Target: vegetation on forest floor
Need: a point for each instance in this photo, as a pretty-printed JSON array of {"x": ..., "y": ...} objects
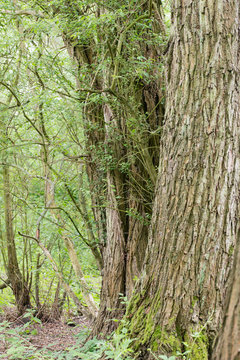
[
  {"x": 27, "y": 337},
  {"x": 36, "y": 340}
]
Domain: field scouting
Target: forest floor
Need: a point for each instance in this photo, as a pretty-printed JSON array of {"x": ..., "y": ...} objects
[{"x": 48, "y": 340}]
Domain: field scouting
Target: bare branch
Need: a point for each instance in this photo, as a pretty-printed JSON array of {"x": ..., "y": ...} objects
[
  {"x": 5, "y": 284},
  {"x": 22, "y": 12},
  {"x": 67, "y": 288}
]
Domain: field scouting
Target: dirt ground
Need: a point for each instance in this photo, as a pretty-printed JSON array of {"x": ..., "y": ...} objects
[{"x": 54, "y": 336}]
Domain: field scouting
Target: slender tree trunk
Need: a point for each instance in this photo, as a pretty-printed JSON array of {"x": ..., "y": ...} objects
[
  {"x": 227, "y": 346},
  {"x": 18, "y": 284},
  {"x": 51, "y": 205},
  {"x": 195, "y": 218},
  {"x": 114, "y": 271},
  {"x": 65, "y": 285}
]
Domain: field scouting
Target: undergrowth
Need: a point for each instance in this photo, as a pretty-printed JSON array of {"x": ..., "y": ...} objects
[{"x": 17, "y": 344}]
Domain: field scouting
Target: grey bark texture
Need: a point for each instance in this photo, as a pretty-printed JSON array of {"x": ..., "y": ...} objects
[{"x": 196, "y": 217}]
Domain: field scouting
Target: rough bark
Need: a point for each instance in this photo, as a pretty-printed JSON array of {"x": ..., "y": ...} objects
[
  {"x": 129, "y": 203},
  {"x": 195, "y": 218},
  {"x": 114, "y": 271},
  {"x": 227, "y": 346}
]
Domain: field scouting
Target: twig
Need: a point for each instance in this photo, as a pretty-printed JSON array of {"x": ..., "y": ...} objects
[
  {"x": 23, "y": 12},
  {"x": 67, "y": 288}
]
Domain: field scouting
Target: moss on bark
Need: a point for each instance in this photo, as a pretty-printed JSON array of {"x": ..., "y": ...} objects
[
  {"x": 140, "y": 319},
  {"x": 142, "y": 327},
  {"x": 198, "y": 346}
]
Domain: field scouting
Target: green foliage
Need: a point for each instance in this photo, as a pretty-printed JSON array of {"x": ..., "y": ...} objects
[
  {"x": 136, "y": 215},
  {"x": 117, "y": 347},
  {"x": 17, "y": 346},
  {"x": 45, "y": 127},
  {"x": 38, "y": 70},
  {"x": 195, "y": 346}
]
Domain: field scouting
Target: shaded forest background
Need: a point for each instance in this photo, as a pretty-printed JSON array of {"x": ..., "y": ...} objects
[{"x": 82, "y": 108}]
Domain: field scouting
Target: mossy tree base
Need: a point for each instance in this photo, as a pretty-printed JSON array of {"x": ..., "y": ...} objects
[{"x": 170, "y": 341}]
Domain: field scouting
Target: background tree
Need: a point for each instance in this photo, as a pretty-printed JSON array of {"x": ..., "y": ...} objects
[
  {"x": 116, "y": 52},
  {"x": 17, "y": 279},
  {"x": 24, "y": 143}
]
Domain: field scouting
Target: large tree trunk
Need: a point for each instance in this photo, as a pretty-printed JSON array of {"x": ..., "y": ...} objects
[{"x": 195, "y": 218}]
